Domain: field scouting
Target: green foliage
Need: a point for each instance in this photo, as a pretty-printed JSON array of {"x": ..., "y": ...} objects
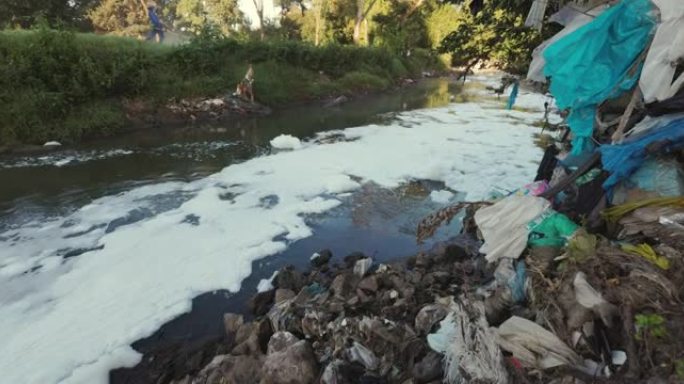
[
  {"x": 123, "y": 18},
  {"x": 494, "y": 35},
  {"x": 679, "y": 368},
  {"x": 57, "y": 85},
  {"x": 28, "y": 13},
  {"x": 650, "y": 326},
  {"x": 198, "y": 15}
]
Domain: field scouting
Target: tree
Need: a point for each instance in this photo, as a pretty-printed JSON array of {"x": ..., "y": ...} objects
[
  {"x": 494, "y": 35},
  {"x": 25, "y": 13},
  {"x": 120, "y": 17},
  {"x": 259, "y": 5}
]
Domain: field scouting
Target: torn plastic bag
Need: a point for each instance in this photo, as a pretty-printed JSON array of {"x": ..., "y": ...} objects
[
  {"x": 624, "y": 159},
  {"x": 512, "y": 274},
  {"x": 658, "y": 81},
  {"x": 470, "y": 349},
  {"x": 590, "y": 298},
  {"x": 551, "y": 229},
  {"x": 535, "y": 18},
  {"x": 649, "y": 124},
  {"x": 593, "y": 63},
  {"x": 664, "y": 177},
  {"x": 534, "y": 346},
  {"x": 572, "y": 18},
  {"x": 504, "y": 225},
  {"x": 357, "y": 353}
]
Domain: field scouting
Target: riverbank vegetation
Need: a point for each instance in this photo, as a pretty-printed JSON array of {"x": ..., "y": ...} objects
[
  {"x": 65, "y": 86},
  {"x": 68, "y": 70}
]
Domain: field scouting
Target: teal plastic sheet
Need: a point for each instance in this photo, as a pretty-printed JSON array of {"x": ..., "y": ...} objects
[
  {"x": 593, "y": 63},
  {"x": 551, "y": 230}
]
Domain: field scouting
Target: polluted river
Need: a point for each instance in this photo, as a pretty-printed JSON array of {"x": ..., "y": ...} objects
[{"x": 117, "y": 246}]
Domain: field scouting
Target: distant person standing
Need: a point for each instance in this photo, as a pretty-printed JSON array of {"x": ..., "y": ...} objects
[{"x": 157, "y": 26}]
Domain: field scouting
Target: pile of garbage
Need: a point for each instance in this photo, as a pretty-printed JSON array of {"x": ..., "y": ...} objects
[
  {"x": 227, "y": 107},
  {"x": 354, "y": 322}
]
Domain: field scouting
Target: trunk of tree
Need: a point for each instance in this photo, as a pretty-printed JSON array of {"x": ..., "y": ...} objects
[
  {"x": 359, "y": 19},
  {"x": 259, "y": 5},
  {"x": 317, "y": 38},
  {"x": 361, "y": 14}
]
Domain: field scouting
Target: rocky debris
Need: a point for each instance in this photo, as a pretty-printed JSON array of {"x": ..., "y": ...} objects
[
  {"x": 321, "y": 258},
  {"x": 216, "y": 108},
  {"x": 336, "y": 101},
  {"x": 290, "y": 362},
  {"x": 348, "y": 325},
  {"x": 282, "y": 294},
  {"x": 232, "y": 322},
  {"x": 289, "y": 278}
]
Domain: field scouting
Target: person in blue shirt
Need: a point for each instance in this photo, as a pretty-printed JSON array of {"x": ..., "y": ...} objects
[{"x": 157, "y": 26}]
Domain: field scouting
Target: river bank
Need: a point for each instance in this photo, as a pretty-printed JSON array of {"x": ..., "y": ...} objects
[{"x": 61, "y": 86}]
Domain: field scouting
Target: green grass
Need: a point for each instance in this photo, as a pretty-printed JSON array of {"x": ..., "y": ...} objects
[{"x": 63, "y": 86}]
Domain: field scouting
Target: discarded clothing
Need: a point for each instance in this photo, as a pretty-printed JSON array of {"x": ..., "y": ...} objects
[
  {"x": 535, "y": 346},
  {"x": 504, "y": 225},
  {"x": 645, "y": 251},
  {"x": 551, "y": 229},
  {"x": 624, "y": 159},
  {"x": 658, "y": 81},
  {"x": 610, "y": 43}
]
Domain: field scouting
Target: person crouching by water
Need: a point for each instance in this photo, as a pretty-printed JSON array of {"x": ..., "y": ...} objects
[
  {"x": 157, "y": 26},
  {"x": 244, "y": 87}
]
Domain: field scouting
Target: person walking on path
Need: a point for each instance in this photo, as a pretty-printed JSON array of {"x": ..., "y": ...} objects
[{"x": 157, "y": 26}]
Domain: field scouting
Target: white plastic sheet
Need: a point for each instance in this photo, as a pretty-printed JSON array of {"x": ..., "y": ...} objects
[
  {"x": 504, "y": 225},
  {"x": 657, "y": 78},
  {"x": 534, "y": 346}
]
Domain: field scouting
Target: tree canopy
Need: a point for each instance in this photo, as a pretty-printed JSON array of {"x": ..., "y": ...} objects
[{"x": 466, "y": 32}]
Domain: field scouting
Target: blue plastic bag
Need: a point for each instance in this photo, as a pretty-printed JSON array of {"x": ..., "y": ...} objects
[
  {"x": 623, "y": 160},
  {"x": 592, "y": 64}
]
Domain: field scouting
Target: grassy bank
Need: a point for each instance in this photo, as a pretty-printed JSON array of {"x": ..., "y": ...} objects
[{"x": 69, "y": 87}]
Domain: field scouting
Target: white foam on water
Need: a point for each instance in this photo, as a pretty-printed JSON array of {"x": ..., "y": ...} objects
[
  {"x": 286, "y": 142},
  {"x": 71, "y": 320},
  {"x": 441, "y": 197}
]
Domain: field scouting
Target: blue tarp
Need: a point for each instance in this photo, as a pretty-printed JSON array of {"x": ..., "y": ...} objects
[
  {"x": 591, "y": 64},
  {"x": 625, "y": 159}
]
